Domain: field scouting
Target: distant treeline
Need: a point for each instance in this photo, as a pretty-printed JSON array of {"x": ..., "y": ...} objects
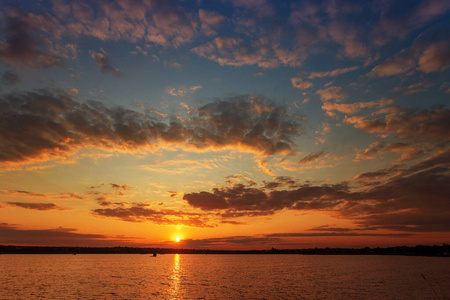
[{"x": 419, "y": 250}]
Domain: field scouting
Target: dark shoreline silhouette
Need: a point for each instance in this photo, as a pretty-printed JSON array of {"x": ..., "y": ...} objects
[{"x": 419, "y": 250}]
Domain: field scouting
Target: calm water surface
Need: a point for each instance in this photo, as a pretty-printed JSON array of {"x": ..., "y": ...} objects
[{"x": 184, "y": 276}]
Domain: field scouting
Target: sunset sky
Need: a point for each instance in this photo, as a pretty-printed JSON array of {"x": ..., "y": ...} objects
[{"x": 232, "y": 124}]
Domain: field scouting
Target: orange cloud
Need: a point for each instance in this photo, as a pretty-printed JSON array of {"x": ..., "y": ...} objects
[
  {"x": 332, "y": 93},
  {"x": 355, "y": 107},
  {"x": 301, "y": 84},
  {"x": 182, "y": 91}
]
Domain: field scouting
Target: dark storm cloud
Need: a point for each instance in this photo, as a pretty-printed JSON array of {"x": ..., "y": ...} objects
[
  {"x": 36, "y": 206},
  {"x": 10, "y": 77},
  {"x": 21, "y": 47},
  {"x": 42, "y": 125},
  {"x": 12, "y": 235}
]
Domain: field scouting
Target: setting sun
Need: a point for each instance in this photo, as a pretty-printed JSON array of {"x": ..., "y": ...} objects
[{"x": 177, "y": 239}]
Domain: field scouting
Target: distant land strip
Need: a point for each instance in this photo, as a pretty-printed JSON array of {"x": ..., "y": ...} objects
[{"x": 419, "y": 250}]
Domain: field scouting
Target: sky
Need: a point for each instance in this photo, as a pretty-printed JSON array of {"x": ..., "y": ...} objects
[{"x": 231, "y": 124}]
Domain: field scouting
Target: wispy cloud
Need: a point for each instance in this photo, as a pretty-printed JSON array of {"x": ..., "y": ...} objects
[
  {"x": 182, "y": 91},
  {"x": 300, "y": 83},
  {"x": 353, "y": 107},
  {"x": 30, "y": 194},
  {"x": 333, "y": 73},
  {"x": 309, "y": 158},
  {"x": 407, "y": 123},
  {"x": 141, "y": 213},
  {"x": 36, "y": 206},
  {"x": 120, "y": 187},
  {"x": 181, "y": 165},
  {"x": 335, "y": 93},
  {"x": 102, "y": 61},
  {"x": 13, "y": 235},
  {"x": 9, "y": 77},
  {"x": 210, "y": 21},
  {"x": 289, "y": 239}
]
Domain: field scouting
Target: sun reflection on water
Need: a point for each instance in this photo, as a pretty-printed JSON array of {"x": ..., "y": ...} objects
[{"x": 175, "y": 278}]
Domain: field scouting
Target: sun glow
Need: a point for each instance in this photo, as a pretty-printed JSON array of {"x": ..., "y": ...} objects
[{"x": 177, "y": 239}]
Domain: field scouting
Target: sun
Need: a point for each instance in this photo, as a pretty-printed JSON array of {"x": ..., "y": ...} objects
[{"x": 177, "y": 239}]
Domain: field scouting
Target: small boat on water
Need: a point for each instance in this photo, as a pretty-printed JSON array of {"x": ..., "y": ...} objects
[{"x": 154, "y": 254}]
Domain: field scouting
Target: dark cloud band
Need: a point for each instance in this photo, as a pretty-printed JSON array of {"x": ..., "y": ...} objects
[{"x": 41, "y": 125}]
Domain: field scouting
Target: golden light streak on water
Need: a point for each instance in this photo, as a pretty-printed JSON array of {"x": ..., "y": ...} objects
[{"x": 175, "y": 277}]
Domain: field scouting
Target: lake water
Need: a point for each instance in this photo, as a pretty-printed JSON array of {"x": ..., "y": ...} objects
[{"x": 184, "y": 276}]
